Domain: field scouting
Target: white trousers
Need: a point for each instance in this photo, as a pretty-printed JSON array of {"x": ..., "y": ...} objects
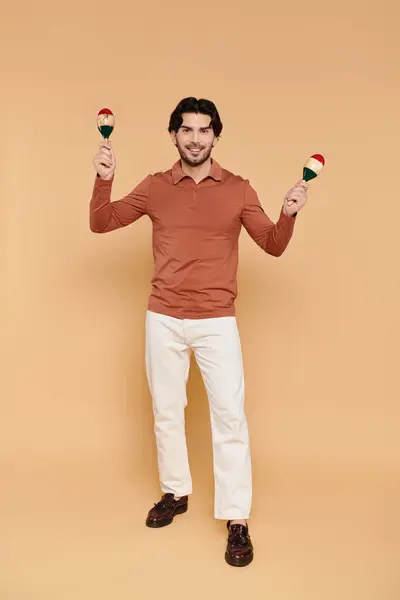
[{"x": 216, "y": 345}]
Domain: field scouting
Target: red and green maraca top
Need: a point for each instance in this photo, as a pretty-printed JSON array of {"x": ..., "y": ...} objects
[{"x": 105, "y": 122}]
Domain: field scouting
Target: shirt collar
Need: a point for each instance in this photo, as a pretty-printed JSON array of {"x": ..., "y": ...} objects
[{"x": 178, "y": 174}]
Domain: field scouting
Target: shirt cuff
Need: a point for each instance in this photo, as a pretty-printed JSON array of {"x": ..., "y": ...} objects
[
  {"x": 286, "y": 217},
  {"x": 99, "y": 182}
]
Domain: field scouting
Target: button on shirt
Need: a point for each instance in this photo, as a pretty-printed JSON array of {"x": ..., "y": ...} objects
[{"x": 196, "y": 230}]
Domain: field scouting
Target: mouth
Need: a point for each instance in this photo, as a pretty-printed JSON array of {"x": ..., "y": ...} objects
[{"x": 194, "y": 151}]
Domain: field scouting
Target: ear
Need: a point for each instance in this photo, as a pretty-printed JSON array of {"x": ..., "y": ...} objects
[
  {"x": 215, "y": 142},
  {"x": 173, "y": 137}
]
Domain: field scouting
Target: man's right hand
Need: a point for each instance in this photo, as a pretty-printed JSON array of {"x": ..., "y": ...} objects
[{"x": 104, "y": 161}]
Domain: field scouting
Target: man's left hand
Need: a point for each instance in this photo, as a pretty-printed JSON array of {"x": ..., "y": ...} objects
[{"x": 296, "y": 198}]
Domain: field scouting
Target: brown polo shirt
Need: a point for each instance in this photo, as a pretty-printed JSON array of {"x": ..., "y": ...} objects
[{"x": 196, "y": 229}]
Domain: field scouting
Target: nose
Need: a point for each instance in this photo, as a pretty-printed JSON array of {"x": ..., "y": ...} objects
[{"x": 195, "y": 137}]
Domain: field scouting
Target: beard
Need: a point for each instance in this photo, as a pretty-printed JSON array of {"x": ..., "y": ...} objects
[{"x": 194, "y": 161}]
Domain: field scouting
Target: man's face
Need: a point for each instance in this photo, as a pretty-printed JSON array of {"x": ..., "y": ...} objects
[{"x": 195, "y": 139}]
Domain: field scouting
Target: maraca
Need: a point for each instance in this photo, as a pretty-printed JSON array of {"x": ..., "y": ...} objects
[
  {"x": 313, "y": 167},
  {"x": 105, "y": 122}
]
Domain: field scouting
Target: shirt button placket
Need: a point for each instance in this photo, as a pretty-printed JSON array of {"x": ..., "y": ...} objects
[{"x": 194, "y": 195}]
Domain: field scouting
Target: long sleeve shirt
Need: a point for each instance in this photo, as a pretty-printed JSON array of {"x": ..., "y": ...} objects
[{"x": 196, "y": 230}]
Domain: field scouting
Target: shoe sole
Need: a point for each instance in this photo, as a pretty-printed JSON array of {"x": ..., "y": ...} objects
[
  {"x": 239, "y": 562},
  {"x": 157, "y": 524}
]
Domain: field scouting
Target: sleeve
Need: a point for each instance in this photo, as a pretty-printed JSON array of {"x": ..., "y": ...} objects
[
  {"x": 273, "y": 238},
  {"x": 105, "y": 215}
]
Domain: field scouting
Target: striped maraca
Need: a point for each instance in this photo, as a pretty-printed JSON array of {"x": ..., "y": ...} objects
[
  {"x": 313, "y": 167},
  {"x": 105, "y": 122}
]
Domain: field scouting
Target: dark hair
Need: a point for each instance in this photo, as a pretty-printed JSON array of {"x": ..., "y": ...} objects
[{"x": 193, "y": 105}]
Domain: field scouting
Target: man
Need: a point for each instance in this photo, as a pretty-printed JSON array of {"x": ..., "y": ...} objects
[{"x": 197, "y": 209}]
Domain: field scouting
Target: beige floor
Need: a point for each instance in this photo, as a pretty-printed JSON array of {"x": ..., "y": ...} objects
[{"x": 80, "y": 536}]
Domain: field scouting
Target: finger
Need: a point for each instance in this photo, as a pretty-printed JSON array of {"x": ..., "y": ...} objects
[
  {"x": 299, "y": 192},
  {"x": 103, "y": 158},
  {"x": 106, "y": 151},
  {"x": 302, "y": 185},
  {"x": 105, "y": 154},
  {"x": 105, "y": 161},
  {"x": 296, "y": 193},
  {"x": 105, "y": 146},
  {"x": 295, "y": 189},
  {"x": 296, "y": 197}
]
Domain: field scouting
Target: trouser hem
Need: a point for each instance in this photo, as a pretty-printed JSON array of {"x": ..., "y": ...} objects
[
  {"x": 232, "y": 518},
  {"x": 178, "y": 493}
]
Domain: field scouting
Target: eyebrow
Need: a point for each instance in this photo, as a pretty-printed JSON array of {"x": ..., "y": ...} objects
[{"x": 187, "y": 127}]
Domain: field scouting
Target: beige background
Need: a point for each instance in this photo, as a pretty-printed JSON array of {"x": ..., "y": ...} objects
[{"x": 319, "y": 326}]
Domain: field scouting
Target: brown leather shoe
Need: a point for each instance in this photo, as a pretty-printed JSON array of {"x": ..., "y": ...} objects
[
  {"x": 164, "y": 511},
  {"x": 239, "y": 550}
]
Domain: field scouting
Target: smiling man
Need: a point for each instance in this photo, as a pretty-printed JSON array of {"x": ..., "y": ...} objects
[{"x": 197, "y": 209}]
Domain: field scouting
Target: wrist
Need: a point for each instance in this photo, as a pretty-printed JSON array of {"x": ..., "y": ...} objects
[{"x": 288, "y": 214}]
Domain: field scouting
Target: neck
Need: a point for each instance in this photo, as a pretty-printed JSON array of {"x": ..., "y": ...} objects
[{"x": 197, "y": 173}]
